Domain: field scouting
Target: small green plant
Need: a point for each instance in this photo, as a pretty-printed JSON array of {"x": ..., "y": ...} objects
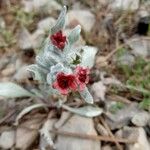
[
  {"x": 145, "y": 104},
  {"x": 115, "y": 107},
  {"x": 137, "y": 75},
  {"x": 8, "y": 37},
  {"x": 121, "y": 52},
  {"x": 22, "y": 17}
]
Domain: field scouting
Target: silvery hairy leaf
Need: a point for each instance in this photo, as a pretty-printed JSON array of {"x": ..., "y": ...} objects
[
  {"x": 53, "y": 71},
  {"x": 38, "y": 72},
  {"x": 60, "y": 22},
  {"x": 88, "y": 56},
  {"x": 51, "y": 76},
  {"x": 46, "y": 138},
  {"x": 74, "y": 35},
  {"x": 27, "y": 110},
  {"x": 85, "y": 94},
  {"x": 11, "y": 90},
  {"x": 86, "y": 111},
  {"x": 50, "y": 56}
]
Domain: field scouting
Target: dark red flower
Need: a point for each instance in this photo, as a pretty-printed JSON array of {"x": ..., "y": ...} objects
[
  {"x": 82, "y": 76},
  {"x": 58, "y": 39},
  {"x": 65, "y": 82}
]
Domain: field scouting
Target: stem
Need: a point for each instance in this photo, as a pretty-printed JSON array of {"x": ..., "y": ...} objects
[{"x": 92, "y": 137}]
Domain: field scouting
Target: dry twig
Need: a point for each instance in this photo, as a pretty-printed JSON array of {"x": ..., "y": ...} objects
[
  {"x": 92, "y": 137},
  {"x": 110, "y": 133}
]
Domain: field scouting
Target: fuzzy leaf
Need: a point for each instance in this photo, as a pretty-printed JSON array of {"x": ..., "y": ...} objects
[
  {"x": 50, "y": 56},
  {"x": 74, "y": 35},
  {"x": 85, "y": 94},
  {"x": 27, "y": 110},
  {"x": 39, "y": 75},
  {"x": 60, "y": 22},
  {"x": 87, "y": 111},
  {"x": 46, "y": 139},
  {"x": 12, "y": 90},
  {"x": 88, "y": 56}
]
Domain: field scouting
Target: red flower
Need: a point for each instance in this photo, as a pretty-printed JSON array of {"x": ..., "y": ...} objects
[
  {"x": 58, "y": 39},
  {"x": 65, "y": 82},
  {"x": 82, "y": 76}
]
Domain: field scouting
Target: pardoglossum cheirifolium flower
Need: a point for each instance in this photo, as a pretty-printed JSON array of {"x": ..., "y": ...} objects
[{"x": 57, "y": 67}]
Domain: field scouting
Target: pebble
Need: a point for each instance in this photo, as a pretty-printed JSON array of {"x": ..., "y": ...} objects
[
  {"x": 83, "y": 17},
  {"x": 81, "y": 125},
  {"x": 141, "y": 119},
  {"x": 131, "y": 5},
  {"x": 9, "y": 70},
  {"x": 46, "y": 23},
  {"x": 7, "y": 139}
]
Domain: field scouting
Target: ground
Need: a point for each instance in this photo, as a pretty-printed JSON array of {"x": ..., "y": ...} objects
[{"x": 119, "y": 78}]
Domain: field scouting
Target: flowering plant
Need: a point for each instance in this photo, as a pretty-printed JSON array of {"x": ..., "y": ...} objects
[
  {"x": 55, "y": 65},
  {"x": 60, "y": 69}
]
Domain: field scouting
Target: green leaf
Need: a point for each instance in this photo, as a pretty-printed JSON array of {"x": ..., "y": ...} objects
[
  {"x": 88, "y": 56},
  {"x": 145, "y": 104},
  {"x": 85, "y": 94},
  {"x": 87, "y": 111},
  {"x": 11, "y": 90},
  {"x": 60, "y": 22},
  {"x": 74, "y": 35}
]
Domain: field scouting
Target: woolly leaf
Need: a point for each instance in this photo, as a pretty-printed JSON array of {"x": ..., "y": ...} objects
[
  {"x": 74, "y": 35},
  {"x": 86, "y": 111},
  {"x": 88, "y": 56},
  {"x": 60, "y": 22},
  {"x": 85, "y": 94},
  {"x": 27, "y": 110},
  {"x": 11, "y": 90},
  {"x": 39, "y": 74}
]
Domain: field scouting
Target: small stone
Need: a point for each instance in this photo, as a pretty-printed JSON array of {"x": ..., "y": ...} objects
[
  {"x": 46, "y": 23},
  {"x": 9, "y": 70},
  {"x": 126, "y": 59},
  {"x": 83, "y": 17},
  {"x": 7, "y": 139},
  {"x": 22, "y": 74},
  {"x": 81, "y": 125},
  {"x": 137, "y": 134},
  {"x": 141, "y": 119},
  {"x": 28, "y": 6},
  {"x": 99, "y": 90},
  {"x": 42, "y": 7},
  {"x": 25, "y": 138},
  {"x": 107, "y": 147},
  {"x": 37, "y": 38},
  {"x": 140, "y": 46},
  {"x": 122, "y": 117},
  {"x": 24, "y": 40},
  {"x": 27, "y": 133},
  {"x": 2, "y": 23},
  {"x": 3, "y": 62},
  {"x": 126, "y": 4}
]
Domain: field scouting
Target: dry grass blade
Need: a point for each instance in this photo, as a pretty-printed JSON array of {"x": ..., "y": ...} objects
[
  {"x": 119, "y": 99},
  {"x": 110, "y": 133},
  {"x": 92, "y": 137}
]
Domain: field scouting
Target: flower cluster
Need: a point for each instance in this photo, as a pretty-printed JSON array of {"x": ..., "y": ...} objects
[
  {"x": 66, "y": 82},
  {"x": 58, "y": 39}
]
